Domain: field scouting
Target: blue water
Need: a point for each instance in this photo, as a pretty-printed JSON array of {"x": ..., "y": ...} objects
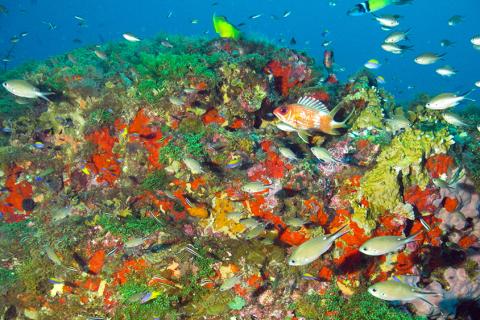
[{"x": 355, "y": 39}]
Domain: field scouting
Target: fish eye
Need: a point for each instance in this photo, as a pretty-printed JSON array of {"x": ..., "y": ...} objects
[
  {"x": 283, "y": 110},
  {"x": 374, "y": 290},
  {"x": 292, "y": 261}
]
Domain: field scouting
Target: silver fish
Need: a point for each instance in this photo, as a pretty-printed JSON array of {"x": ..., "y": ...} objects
[
  {"x": 392, "y": 290},
  {"x": 312, "y": 249},
  {"x": 385, "y": 244}
]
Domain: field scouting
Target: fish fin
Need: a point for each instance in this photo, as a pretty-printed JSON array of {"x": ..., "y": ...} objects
[
  {"x": 412, "y": 237},
  {"x": 397, "y": 279},
  {"x": 43, "y": 95},
  {"x": 426, "y": 301},
  {"x": 334, "y": 132},
  {"x": 343, "y": 124},
  {"x": 428, "y": 293},
  {"x": 313, "y": 103},
  {"x": 464, "y": 95},
  {"x": 303, "y": 135},
  {"x": 335, "y": 110},
  {"x": 340, "y": 232}
]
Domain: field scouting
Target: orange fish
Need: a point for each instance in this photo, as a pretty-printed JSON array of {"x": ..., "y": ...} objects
[{"x": 309, "y": 114}]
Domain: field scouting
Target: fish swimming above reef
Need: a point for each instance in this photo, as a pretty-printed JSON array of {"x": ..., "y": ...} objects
[
  {"x": 392, "y": 290},
  {"x": 385, "y": 244},
  {"x": 428, "y": 58},
  {"x": 373, "y": 6},
  {"x": 22, "y": 88},
  {"x": 312, "y": 249},
  {"x": 309, "y": 114},
  {"x": 224, "y": 28},
  {"x": 447, "y": 100}
]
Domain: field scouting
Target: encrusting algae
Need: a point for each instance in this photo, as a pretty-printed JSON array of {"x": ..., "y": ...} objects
[{"x": 174, "y": 190}]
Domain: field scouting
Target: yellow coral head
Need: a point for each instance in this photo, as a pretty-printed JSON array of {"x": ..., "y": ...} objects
[{"x": 224, "y": 28}]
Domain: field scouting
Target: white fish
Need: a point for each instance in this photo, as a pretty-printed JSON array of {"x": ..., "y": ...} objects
[
  {"x": 397, "y": 123},
  {"x": 477, "y": 84},
  {"x": 255, "y": 232},
  {"x": 230, "y": 283},
  {"x": 254, "y": 187},
  {"x": 235, "y": 216},
  {"x": 323, "y": 155},
  {"x": 53, "y": 256},
  {"x": 396, "y": 36},
  {"x": 135, "y": 242},
  {"x": 177, "y": 101},
  {"x": 385, "y": 244},
  {"x": 130, "y": 37},
  {"x": 23, "y": 89},
  {"x": 249, "y": 223},
  {"x": 428, "y": 58},
  {"x": 287, "y": 153},
  {"x": 389, "y": 21},
  {"x": 446, "y": 71},
  {"x": 446, "y": 100},
  {"x": 395, "y": 48},
  {"x": 193, "y": 165},
  {"x": 454, "y": 119},
  {"x": 475, "y": 40},
  {"x": 392, "y": 290},
  {"x": 312, "y": 249},
  {"x": 295, "y": 222},
  {"x": 100, "y": 54}
]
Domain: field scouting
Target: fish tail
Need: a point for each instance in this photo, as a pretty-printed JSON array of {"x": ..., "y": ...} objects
[
  {"x": 43, "y": 95},
  {"x": 423, "y": 293},
  {"x": 303, "y": 135},
  {"x": 413, "y": 236},
  {"x": 464, "y": 95},
  {"x": 340, "y": 232}
]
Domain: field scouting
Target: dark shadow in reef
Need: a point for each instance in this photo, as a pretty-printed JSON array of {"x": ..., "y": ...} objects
[{"x": 468, "y": 310}]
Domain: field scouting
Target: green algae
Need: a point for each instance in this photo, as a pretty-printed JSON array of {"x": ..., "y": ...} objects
[
  {"x": 360, "y": 306},
  {"x": 194, "y": 145},
  {"x": 7, "y": 278},
  {"x": 130, "y": 226},
  {"x": 156, "y": 180},
  {"x": 237, "y": 303},
  {"x": 162, "y": 306}
]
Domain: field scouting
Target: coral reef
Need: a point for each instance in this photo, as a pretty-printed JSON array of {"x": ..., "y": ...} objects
[{"x": 171, "y": 193}]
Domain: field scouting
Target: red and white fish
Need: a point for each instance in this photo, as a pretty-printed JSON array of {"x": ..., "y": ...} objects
[{"x": 309, "y": 114}]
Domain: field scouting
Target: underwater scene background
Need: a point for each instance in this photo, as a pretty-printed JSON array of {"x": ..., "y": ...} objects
[{"x": 239, "y": 160}]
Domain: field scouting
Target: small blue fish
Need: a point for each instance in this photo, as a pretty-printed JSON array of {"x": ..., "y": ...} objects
[
  {"x": 55, "y": 281},
  {"x": 7, "y": 130},
  {"x": 38, "y": 179},
  {"x": 39, "y": 145},
  {"x": 308, "y": 276},
  {"x": 150, "y": 296},
  {"x": 235, "y": 163}
]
